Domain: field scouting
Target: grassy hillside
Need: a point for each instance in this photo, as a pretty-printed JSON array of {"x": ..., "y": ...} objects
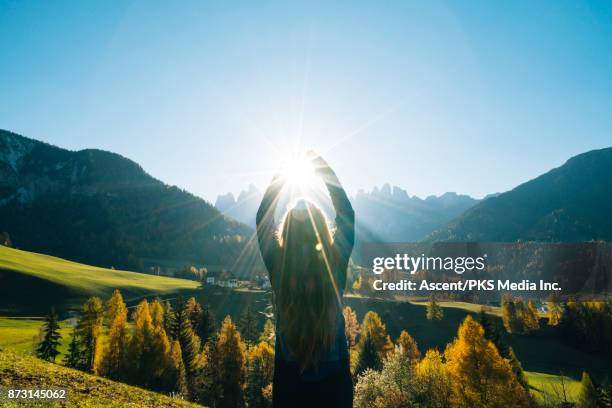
[
  {"x": 31, "y": 282},
  {"x": 84, "y": 390},
  {"x": 21, "y": 335}
]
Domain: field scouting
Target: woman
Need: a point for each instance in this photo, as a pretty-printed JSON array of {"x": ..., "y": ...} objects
[{"x": 307, "y": 266}]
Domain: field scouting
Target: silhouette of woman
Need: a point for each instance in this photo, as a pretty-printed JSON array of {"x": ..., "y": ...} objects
[{"x": 307, "y": 266}]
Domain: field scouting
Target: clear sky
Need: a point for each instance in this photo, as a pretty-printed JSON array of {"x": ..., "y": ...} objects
[{"x": 473, "y": 97}]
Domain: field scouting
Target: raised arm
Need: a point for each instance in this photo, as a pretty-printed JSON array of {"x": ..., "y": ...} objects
[
  {"x": 268, "y": 244},
  {"x": 344, "y": 238}
]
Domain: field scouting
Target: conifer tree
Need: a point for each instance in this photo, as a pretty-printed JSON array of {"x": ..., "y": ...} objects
[
  {"x": 480, "y": 376},
  {"x": 434, "y": 310},
  {"x": 114, "y": 306},
  {"x": 207, "y": 328},
  {"x": 231, "y": 354},
  {"x": 194, "y": 313},
  {"x": 74, "y": 358},
  {"x": 531, "y": 317},
  {"x": 555, "y": 310},
  {"x": 351, "y": 326},
  {"x": 369, "y": 357},
  {"x": 89, "y": 329},
  {"x": 170, "y": 320},
  {"x": 114, "y": 362},
  {"x": 409, "y": 346},
  {"x": 189, "y": 341},
  {"x": 493, "y": 332},
  {"x": 178, "y": 380},
  {"x": 157, "y": 314},
  {"x": 433, "y": 385},
  {"x": 588, "y": 397},
  {"x": 48, "y": 347},
  {"x": 517, "y": 369},
  {"x": 248, "y": 326},
  {"x": 259, "y": 374},
  {"x": 268, "y": 333},
  {"x": 373, "y": 327}
]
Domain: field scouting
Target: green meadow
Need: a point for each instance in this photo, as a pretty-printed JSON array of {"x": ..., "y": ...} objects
[{"x": 38, "y": 281}]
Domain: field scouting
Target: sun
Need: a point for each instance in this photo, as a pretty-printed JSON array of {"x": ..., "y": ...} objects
[{"x": 298, "y": 172}]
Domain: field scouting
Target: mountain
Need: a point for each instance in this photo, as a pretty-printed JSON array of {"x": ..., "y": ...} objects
[
  {"x": 389, "y": 214},
  {"x": 103, "y": 209},
  {"x": 244, "y": 208},
  {"x": 569, "y": 203},
  {"x": 385, "y": 214}
]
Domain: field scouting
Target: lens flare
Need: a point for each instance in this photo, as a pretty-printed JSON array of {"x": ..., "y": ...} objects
[{"x": 298, "y": 172}]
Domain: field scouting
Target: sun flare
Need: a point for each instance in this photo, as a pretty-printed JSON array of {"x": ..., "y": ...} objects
[{"x": 298, "y": 172}]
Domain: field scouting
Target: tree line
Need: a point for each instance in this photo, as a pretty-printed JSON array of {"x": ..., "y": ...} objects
[
  {"x": 173, "y": 350},
  {"x": 177, "y": 349}
]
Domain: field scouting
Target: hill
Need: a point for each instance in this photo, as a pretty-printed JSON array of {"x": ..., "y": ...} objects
[
  {"x": 568, "y": 204},
  {"x": 101, "y": 208},
  {"x": 23, "y": 372},
  {"x": 31, "y": 282}
]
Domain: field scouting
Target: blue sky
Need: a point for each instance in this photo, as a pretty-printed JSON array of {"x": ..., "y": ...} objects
[{"x": 473, "y": 97}]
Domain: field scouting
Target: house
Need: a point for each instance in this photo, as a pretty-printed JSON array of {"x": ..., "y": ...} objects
[
  {"x": 212, "y": 278},
  {"x": 227, "y": 280}
]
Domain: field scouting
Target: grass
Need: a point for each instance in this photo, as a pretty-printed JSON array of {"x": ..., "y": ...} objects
[
  {"x": 83, "y": 390},
  {"x": 21, "y": 335},
  {"x": 552, "y": 387},
  {"x": 43, "y": 280}
]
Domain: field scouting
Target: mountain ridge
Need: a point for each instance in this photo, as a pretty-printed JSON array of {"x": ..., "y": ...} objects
[
  {"x": 571, "y": 202},
  {"x": 101, "y": 208}
]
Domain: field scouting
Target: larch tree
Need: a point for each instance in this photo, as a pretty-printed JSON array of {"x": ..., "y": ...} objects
[
  {"x": 48, "y": 347},
  {"x": 372, "y": 327},
  {"x": 268, "y": 333},
  {"x": 260, "y": 369},
  {"x": 480, "y": 376},
  {"x": 433, "y": 387},
  {"x": 114, "y": 306},
  {"x": 555, "y": 311},
  {"x": 434, "y": 310},
  {"x": 115, "y": 358},
  {"x": 531, "y": 317},
  {"x": 89, "y": 329},
  {"x": 351, "y": 326},
  {"x": 408, "y": 346},
  {"x": 231, "y": 354}
]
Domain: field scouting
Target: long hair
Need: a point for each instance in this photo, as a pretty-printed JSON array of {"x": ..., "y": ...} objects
[{"x": 307, "y": 298}]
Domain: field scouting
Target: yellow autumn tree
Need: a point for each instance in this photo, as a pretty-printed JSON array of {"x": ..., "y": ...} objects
[
  {"x": 157, "y": 313},
  {"x": 231, "y": 364},
  {"x": 481, "y": 377},
  {"x": 114, "y": 306},
  {"x": 150, "y": 351},
  {"x": 114, "y": 360},
  {"x": 373, "y": 327},
  {"x": 409, "y": 347},
  {"x": 555, "y": 310},
  {"x": 432, "y": 382},
  {"x": 351, "y": 326},
  {"x": 259, "y": 374},
  {"x": 531, "y": 317}
]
